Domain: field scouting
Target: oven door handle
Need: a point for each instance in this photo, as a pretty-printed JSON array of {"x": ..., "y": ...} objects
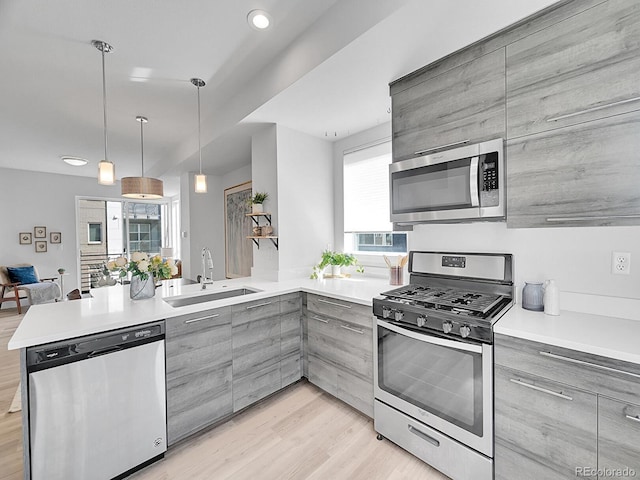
[{"x": 429, "y": 339}]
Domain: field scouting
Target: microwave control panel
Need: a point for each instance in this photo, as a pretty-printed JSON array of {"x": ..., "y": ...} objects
[{"x": 490, "y": 181}]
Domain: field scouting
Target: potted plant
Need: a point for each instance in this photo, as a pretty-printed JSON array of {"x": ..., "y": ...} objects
[
  {"x": 257, "y": 200},
  {"x": 336, "y": 260}
]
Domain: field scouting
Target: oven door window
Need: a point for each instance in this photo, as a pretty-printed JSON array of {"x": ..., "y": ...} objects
[
  {"x": 443, "y": 381},
  {"x": 442, "y": 186}
]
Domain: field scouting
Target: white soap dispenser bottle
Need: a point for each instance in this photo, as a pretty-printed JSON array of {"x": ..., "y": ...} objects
[{"x": 551, "y": 298}]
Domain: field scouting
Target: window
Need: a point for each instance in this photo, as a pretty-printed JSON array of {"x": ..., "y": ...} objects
[
  {"x": 95, "y": 233},
  {"x": 366, "y": 202}
]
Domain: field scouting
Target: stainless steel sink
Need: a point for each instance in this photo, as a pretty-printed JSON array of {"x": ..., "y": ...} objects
[{"x": 208, "y": 297}]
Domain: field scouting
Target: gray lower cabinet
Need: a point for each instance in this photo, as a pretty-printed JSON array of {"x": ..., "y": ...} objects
[
  {"x": 256, "y": 351},
  {"x": 290, "y": 338},
  {"x": 542, "y": 429},
  {"x": 618, "y": 438},
  {"x": 199, "y": 363},
  {"x": 464, "y": 103},
  {"x": 340, "y": 350},
  {"x": 562, "y": 414}
]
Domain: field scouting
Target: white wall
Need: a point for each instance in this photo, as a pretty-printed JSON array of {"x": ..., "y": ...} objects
[
  {"x": 579, "y": 259},
  {"x": 264, "y": 171},
  {"x": 30, "y": 198},
  {"x": 203, "y": 220},
  {"x": 305, "y": 200}
]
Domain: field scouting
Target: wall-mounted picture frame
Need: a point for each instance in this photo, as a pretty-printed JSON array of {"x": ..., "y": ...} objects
[
  {"x": 55, "y": 237},
  {"x": 237, "y": 227},
  {"x": 25, "y": 238},
  {"x": 40, "y": 232},
  {"x": 41, "y": 246}
]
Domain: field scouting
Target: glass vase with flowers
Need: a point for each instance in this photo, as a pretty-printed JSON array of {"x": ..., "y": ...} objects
[{"x": 144, "y": 272}]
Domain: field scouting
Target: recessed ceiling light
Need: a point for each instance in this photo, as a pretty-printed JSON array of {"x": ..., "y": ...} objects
[
  {"x": 74, "y": 161},
  {"x": 259, "y": 19}
]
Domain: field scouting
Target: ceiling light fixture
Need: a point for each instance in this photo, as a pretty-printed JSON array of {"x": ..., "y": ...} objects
[
  {"x": 200, "y": 179},
  {"x": 259, "y": 19},
  {"x": 74, "y": 161},
  {"x": 106, "y": 169},
  {"x": 141, "y": 187}
]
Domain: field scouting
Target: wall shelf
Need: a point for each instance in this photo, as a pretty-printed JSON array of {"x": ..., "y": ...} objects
[{"x": 256, "y": 238}]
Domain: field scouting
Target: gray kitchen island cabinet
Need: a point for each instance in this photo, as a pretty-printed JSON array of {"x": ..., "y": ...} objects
[
  {"x": 562, "y": 414},
  {"x": 340, "y": 350},
  {"x": 198, "y": 365},
  {"x": 464, "y": 103}
]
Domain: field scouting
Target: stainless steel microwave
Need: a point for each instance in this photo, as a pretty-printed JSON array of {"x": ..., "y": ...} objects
[{"x": 461, "y": 184}]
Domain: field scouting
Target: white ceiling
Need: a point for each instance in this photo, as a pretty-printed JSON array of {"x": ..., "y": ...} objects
[{"x": 323, "y": 68}]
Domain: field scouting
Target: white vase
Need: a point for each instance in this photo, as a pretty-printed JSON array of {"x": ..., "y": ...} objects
[
  {"x": 257, "y": 208},
  {"x": 335, "y": 270},
  {"x": 140, "y": 289}
]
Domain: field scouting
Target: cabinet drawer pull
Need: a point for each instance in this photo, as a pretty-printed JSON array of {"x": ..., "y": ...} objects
[
  {"x": 540, "y": 389},
  {"x": 590, "y": 218},
  {"x": 320, "y": 319},
  {"x": 199, "y": 319},
  {"x": 635, "y": 419},
  {"x": 589, "y": 364},
  {"x": 351, "y": 329},
  {"x": 334, "y": 303},
  {"x": 259, "y": 305},
  {"x": 424, "y": 436},
  {"x": 421, "y": 152},
  {"x": 593, "y": 109}
]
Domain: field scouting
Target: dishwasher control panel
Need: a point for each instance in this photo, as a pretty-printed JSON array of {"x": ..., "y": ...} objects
[{"x": 52, "y": 354}]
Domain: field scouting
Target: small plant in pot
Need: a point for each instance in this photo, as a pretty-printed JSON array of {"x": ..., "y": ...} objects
[
  {"x": 257, "y": 201},
  {"x": 336, "y": 261}
]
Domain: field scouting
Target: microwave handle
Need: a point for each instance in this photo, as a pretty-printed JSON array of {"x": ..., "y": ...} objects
[{"x": 473, "y": 182}]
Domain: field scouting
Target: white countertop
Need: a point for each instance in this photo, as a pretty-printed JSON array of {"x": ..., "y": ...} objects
[
  {"x": 111, "y": 308},
  {"x": 596, "y": 334}
]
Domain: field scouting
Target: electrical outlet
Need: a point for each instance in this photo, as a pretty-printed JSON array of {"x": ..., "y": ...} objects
[{"x": 620, "y": 263}]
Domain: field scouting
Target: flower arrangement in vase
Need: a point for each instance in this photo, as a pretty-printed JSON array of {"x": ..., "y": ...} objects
[
  {"x": 144, "y": 270},
  {"x": 336, "y": 260}
]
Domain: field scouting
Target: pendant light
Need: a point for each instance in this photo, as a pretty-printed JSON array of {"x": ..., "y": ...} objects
[
  {"x": 106, "y": 169},
  {"x": 200, "y": 179},
  {"x": 141, "y": 187}
]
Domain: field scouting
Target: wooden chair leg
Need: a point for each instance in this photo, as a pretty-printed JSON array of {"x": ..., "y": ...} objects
[{"x": 15, "y": 290}]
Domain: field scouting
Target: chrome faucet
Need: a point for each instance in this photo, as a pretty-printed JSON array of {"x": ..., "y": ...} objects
[{"x": 207, "y": 261}]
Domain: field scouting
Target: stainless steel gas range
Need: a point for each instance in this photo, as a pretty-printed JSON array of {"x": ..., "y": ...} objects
[{"x": 433, "y": 370}]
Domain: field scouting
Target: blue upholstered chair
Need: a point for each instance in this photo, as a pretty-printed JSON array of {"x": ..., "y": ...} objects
[{"x": 22, "y": 281}]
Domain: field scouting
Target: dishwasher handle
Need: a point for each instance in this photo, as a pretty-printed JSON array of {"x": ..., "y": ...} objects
[{"x": 104, "y": 351}]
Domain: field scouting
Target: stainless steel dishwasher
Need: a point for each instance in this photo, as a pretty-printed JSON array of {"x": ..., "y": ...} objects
[{"x": 97, "y": 404}]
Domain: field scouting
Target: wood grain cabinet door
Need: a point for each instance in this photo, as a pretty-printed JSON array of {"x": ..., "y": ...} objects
[
  {"x": 198, "y": 356},
  {"x": 464, "y": 103},
  {"x": 543, "y": 429},
  {"x": 577, "y": 70},
  {"x": 618, "y": 438}
]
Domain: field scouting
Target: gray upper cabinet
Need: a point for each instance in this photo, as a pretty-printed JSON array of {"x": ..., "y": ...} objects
[
  {"x": 580, "y": 69},
  {"x": 573, "y": 113},
  {"x": 558, "y": 410},
  {"x": 465, "y": 103},
  {"x": 198, "y": 356},
  {"x": 586, "y": 174}
]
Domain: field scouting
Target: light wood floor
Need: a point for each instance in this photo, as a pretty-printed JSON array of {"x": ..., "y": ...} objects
[{"x": 299, "y": 433}]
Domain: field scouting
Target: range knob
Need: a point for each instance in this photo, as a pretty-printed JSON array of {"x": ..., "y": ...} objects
[
  {"x": 421, "y": 320},
  {"x": 447, "y": 326},
  {"x": 386, "y": 312},
  {"x": 398, "y": 315},
  {"x": 465, "y": 331}
]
